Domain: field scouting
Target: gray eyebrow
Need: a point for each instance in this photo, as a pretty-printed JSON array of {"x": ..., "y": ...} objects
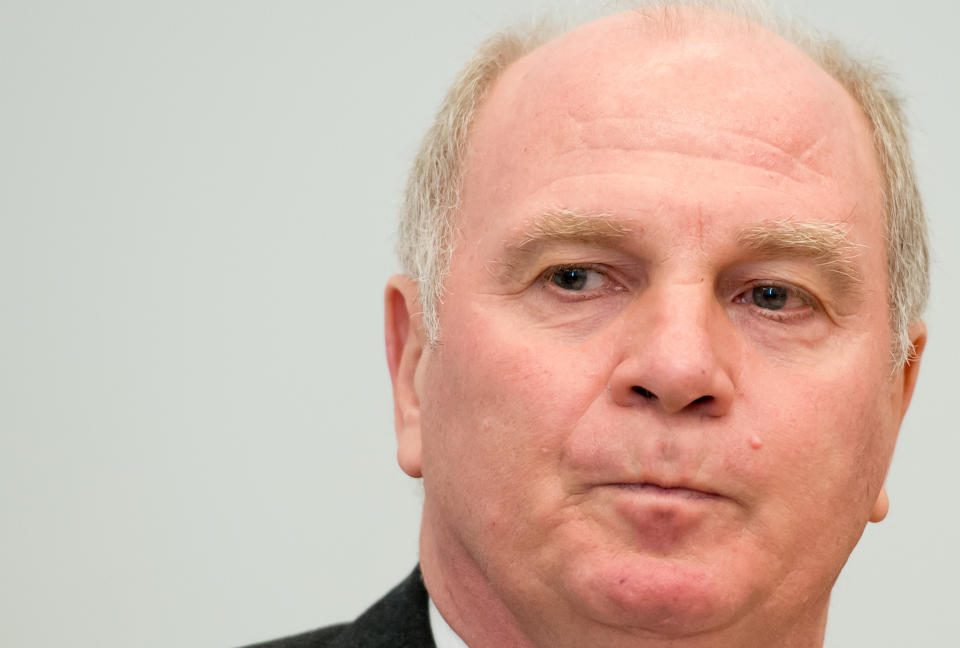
[
  {"x": 826, "y": 244},
  {"x": 565, "y": 224},
  {"x": 559, "y": 226}
]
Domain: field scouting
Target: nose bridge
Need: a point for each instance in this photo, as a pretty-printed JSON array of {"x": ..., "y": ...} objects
[
  {"x": 680, "y": 327},
  {"x": 675, "y": 351}
]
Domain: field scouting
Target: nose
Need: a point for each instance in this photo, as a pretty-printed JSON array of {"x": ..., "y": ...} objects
[{"x": 679, "y": 353}]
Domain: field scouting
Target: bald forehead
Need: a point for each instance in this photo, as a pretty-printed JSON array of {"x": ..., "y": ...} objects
[{"x": 682, "y": 67}]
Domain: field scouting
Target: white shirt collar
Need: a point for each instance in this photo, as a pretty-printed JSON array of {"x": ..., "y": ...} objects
[{"x": 443, "y": 634}]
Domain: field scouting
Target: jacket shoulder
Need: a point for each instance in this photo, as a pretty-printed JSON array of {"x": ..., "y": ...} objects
[
  {"x": 398, "y": 620},
  {"x": 319, "y": 638}
]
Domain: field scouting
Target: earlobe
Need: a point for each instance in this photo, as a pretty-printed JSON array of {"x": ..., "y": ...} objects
[
  {"x": 404, "y": 340},
  {"x": 881, "y": 506}
]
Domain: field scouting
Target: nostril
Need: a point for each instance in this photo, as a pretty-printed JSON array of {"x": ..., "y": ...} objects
[
  {"x": 703, "y": 400},
  {"x": 644, "y": 392}
]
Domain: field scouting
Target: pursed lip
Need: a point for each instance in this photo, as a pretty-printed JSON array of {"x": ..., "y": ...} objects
[
  {"x": 654, "y": 488},
  {"x": 659, "y": 490}
]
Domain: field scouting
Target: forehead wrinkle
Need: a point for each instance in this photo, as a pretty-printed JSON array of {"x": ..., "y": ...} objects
[
  {"x": 648, "y": 135},
  {"x": 827, "y": 244}
]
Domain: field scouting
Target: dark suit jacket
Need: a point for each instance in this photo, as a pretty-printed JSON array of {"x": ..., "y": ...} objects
[{"x": 398, "y": 620}]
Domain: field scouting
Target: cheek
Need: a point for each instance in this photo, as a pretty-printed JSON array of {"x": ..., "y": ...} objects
[
  {"x": 827, "y": 440},
  {"x": 497, "y": 408}
]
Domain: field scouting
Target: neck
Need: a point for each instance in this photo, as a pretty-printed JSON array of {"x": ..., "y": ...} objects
[
  {"x": 477, "y": 612},
  {"x": 464, "y": 597}
]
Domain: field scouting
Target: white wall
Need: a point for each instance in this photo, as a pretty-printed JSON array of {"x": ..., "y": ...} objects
[{"x": 196, "y": 208}]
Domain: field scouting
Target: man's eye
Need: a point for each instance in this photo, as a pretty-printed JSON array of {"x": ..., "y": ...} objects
[
  {"x": 770, "y": 297},
  {"x": 779, "y": 302},
  {"x": 578, "y": 279}
]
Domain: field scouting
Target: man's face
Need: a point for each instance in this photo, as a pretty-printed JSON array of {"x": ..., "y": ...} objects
[{"x": 662, "y": 399}]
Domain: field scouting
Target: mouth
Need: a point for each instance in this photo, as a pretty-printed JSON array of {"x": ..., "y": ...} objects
[
  {"x": 656, "y": 490},
  {"x": 662, "y": 517}
]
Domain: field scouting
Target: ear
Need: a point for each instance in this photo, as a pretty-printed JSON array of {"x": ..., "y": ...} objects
[
  {"x": 405, "y": 343},
  {"x": 904, "y": 392},
  {"x": 918, "y": 338}
]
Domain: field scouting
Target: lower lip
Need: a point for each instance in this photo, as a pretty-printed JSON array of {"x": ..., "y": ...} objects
[{"x": 663, "y": 520}]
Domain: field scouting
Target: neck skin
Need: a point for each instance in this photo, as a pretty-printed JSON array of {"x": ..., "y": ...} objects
[{"x": 468, "y": 602}]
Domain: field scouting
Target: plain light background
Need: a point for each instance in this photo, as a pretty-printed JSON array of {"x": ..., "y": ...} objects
[{"x": 196, "y": 217}]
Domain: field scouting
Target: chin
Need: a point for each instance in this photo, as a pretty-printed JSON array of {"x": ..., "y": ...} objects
[{"x": 669, "y": 597}]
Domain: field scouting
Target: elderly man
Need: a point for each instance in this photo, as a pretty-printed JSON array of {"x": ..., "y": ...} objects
[{"x": 660, "y": 328}]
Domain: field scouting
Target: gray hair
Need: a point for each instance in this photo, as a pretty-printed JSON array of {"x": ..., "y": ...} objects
[{"x": 426, "y": 229}]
